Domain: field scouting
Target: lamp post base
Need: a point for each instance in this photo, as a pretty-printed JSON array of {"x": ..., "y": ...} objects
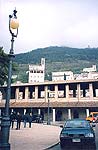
[
  {"x": 5, "y": 146},
  {"x": 5, "y": 129},
  {"x": 48, "y": 122}
]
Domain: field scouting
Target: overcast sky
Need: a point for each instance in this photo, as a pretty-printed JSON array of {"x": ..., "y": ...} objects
[{"x": 43, "y": 23}]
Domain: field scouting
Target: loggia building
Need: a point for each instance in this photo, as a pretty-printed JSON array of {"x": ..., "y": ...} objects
[
  {"x": 65, "y": 99},
  {"x": 73, "y": 97}
]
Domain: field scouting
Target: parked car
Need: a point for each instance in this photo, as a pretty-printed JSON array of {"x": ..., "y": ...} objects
[
  {"x": 77, "y": 133},
  {"x": 93, "y": 117},
  {"x": 37, "y": 118}
]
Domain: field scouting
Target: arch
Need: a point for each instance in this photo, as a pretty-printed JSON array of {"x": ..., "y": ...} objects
[
  {"x": 75, "y": 113},
  {"x": 59, "y": 115}
]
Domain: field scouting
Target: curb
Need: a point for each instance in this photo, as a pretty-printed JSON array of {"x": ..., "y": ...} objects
[
  {"x": 55, "y": 143},
  {"x": 51, "y": 146}
]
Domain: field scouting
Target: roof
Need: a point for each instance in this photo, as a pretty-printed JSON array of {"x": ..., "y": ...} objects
[
  {"x": 53, "y": 82},
  {"x": 55, "y": 104}
]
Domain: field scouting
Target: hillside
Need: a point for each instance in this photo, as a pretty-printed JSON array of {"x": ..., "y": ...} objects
[{"x": 58, "y": 59}]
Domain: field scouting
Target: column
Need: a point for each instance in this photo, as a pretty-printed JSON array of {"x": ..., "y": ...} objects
[
  {"x": 87, "y": 112},
  {"x": 78, "y": 92},
  {"x": 17, "y": 93},
  {"x": 36, "y": 92},
  {"x": 67, "y": 91},
  {"x": 46, "y": 93},
  {"x": 12, "y": 110},
  {"x": 24, "y": 111},
  {"x": 53, "y": 115},
  {"x": 91, "y": 91},
  {"x": 0, "y": 112},
  {"x": 69, "y": 113},
  {"x": 26, "y": 93},
  {"x": 1, "y": 96},
  {"x": 39, "y": 111},
  {"x": 56, "y": 92}
]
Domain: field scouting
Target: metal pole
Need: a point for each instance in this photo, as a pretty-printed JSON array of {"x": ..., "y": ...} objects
[
  {"x": 5, "y": 122},
  {"x": 9, "y": 79},
  {"x": 48, "y": 120}
]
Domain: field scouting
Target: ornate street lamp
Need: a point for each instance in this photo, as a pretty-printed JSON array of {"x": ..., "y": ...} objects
[{"x": 5, "y": 122}]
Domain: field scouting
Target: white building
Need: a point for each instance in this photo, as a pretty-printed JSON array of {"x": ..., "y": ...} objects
[
  {"x": 86, "y": 75},
  {"x": 60, "y": 76},
  {"x": 91, "y": 69},
  {"x": 37, "y": 72}
]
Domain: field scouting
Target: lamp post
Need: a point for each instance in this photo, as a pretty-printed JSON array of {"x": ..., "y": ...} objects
[
  {"x": 5, "y": 122},
  {"x": 48, "y": 118}
]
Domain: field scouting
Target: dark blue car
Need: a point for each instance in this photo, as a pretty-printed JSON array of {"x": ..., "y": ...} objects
[{"x": 77, "y": 133}]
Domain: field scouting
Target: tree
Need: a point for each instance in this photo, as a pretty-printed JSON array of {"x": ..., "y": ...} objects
[
  {"x": 4, "y": 64},
  {"x": 4, "y": 59}
]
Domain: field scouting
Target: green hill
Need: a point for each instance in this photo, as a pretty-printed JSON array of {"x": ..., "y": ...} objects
[{"x": 58, "y": 59}]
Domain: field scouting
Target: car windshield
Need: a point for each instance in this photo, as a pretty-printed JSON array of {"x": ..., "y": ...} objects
[{"x": 77, "y": 124}]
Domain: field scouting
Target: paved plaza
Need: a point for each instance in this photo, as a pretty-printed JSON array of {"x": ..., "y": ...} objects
[{"x": 38, "y": 137}]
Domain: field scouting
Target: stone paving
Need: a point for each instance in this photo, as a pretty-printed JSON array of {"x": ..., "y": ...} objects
[{"x": 38, "y": 137}]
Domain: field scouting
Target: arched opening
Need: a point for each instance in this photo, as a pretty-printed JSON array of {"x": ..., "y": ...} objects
[
  {"x": 75, "y": 114},
  {"x": 59, "y": 115}
]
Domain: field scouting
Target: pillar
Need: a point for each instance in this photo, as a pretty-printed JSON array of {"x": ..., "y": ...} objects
[
  {"x": 53, "y": 115},
  {"x": 78, "y": 92},
  {"x": 91, "y": 91},
  {"x": 12, "y": 110},
  {"x": 67, "y": 91},
  {"x": 39, "y": 111},
  {"x": 26, "y": 93},
  {"x": 87, "y": 112},
  {"x": 24, "y": 111},
  {"x": 17, "y": 93},
  {"x": 69, "y": 113},
  {"x": 36, "y": 92},
  {"x": 0, "y": 111},
  {"x": 56, "y": 92},
  {"x": 46, "y": 93}
]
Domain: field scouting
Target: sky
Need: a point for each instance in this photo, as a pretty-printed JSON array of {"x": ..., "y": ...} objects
[{"x": 43, "y": 23}]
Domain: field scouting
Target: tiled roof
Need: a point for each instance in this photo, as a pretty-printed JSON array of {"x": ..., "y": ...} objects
[{"x": 52, "y": 104}]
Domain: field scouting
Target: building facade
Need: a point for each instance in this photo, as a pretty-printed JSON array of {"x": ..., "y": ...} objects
[
  {"x": 91, "y": 69},
  {"x": 61, "y": 76},
  {"x": 65, "y": 99},
  {"x": 37, "y": 72}
]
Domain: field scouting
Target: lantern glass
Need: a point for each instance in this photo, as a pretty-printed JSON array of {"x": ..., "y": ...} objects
[{"x": 14, "y": 24}]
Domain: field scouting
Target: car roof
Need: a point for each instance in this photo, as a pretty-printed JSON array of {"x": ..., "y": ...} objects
[
  {"x": 94, "y": 113},
  {"x": 76, "y": 119}
]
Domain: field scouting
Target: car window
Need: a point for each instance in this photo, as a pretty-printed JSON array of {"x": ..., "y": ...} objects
[
  {"x": 95, "y": 115},
  {"x": 77, "y": 124}
]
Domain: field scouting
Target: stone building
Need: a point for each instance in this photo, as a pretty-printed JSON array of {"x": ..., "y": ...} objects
[
  {"x": 65, "y": 99},
  {"x": 37, "y": 72},
  {"x": 60, "y": 76}
]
